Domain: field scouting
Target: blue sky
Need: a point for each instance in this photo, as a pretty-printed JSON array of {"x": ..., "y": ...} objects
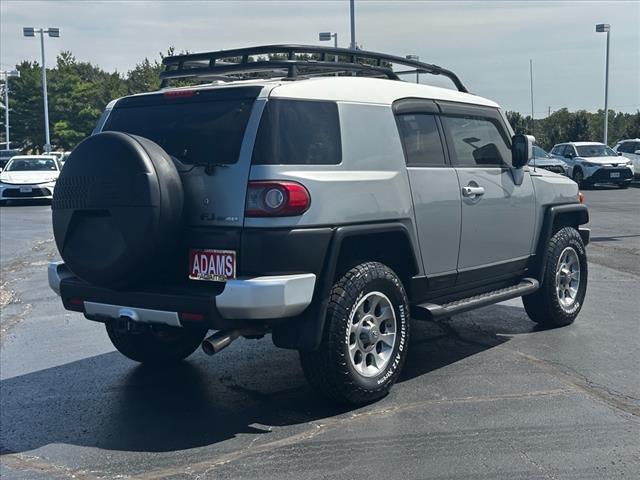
[{"x": 488, "y": 44}]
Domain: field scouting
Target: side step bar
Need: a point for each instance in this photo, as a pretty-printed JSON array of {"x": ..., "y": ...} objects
[{"x": 432, "y": 311}]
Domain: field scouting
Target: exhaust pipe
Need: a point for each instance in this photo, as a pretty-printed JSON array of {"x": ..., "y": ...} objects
[
  {"x": 219, "y": 341},
  {"x": 223, "y": 338}
]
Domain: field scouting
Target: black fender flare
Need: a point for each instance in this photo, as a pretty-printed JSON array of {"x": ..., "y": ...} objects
[
  {"x": 576, "y": 212},
  {"x": 304, "y": 332}
]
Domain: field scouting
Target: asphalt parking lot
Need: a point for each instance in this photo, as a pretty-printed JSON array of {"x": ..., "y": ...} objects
[{"x": 485, "y": 395}]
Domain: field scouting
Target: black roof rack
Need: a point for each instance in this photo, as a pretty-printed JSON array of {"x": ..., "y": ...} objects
[{"x": 296, "y": 60}]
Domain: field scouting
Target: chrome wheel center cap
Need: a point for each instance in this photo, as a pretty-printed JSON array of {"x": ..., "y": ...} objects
[{"x": 368, "y": 337}]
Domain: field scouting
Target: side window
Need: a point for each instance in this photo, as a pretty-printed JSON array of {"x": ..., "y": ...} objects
[
  {"x": 298, "y": 132},
  {"x": 569, "y": 150},
  {"x": 557, "y": 150},
  {"x": 478, "y": 141},
  {"x": 421, "y": 140}
]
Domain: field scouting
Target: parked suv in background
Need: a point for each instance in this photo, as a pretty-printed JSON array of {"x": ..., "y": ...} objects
[
  {"x": 323, "y": 210},
  {"x": 592, "y": 162},
  {"x": 541, "y": 159},
  {"x": 631, "y": 150}
]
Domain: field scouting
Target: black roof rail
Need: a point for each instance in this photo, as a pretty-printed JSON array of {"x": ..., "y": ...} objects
[{"x": 325, "y": 60}]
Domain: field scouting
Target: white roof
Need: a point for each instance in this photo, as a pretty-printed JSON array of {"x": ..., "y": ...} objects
[
  {"x": 581, "y": 144},
  {"x": 352, "y": 89},
  {"x": 33, "y": 156},
  {"x": 370, "y": 90}
]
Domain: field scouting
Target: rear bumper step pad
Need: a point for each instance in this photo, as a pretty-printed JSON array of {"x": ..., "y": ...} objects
[{"x": 433, "y": 311}]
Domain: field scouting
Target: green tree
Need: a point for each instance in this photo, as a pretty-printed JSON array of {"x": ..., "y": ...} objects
[
  {"x": 518, "y": 122},
  {"x": 578, "y": 126},
  {"x": 27, "y": 111}
]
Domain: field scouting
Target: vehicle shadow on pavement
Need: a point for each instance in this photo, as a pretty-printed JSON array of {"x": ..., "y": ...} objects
[
  {"x": 107, "y": 402},
  {"x": 436, "y": 345}
]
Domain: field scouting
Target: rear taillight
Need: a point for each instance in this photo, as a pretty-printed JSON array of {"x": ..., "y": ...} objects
[
  {"x": 191, "y": 317},
  {"x": 75, "y": 304},
  {"x": 274, "y": 198}
]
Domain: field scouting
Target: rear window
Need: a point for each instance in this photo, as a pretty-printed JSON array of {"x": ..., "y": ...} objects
[
  {"x": 196, "y": 129},
  {"x": 298, "y": 132}
]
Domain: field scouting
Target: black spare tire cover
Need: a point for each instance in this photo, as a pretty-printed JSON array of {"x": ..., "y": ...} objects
[{"x": 117, "y": 209}]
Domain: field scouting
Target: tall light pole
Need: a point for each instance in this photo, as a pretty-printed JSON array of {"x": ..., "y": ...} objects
[
  {"x": 352, "y": 9},
  {"x": 416, "y": 58},
  {"x": 326, "y": 36},
  {"x": 52, "y": 32},
  {"x": 602, "y": 28},
  {"x": 531, "y": 80},
  {"x": 7, "y": 75}
]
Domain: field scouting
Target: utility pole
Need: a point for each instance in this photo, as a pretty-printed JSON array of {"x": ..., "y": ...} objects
[
  {"x": 52, "y": 32},
  {"x": 353, "y": 24}
]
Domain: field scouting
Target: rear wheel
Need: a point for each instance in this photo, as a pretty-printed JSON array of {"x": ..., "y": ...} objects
[
  {"x": 563, "y": 288},
  {"x": 365, "y": 337},
  {"x": 156, "y": 344}
]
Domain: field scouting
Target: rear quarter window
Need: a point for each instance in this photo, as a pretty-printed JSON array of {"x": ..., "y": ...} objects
[{"x": 298, "y": 132}]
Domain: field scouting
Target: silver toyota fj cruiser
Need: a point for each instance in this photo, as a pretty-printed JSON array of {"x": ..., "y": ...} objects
[{"x": 308, "y": 193}]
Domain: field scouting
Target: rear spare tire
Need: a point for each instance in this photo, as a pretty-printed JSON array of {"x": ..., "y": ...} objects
[{"x": 117, "y": 209}]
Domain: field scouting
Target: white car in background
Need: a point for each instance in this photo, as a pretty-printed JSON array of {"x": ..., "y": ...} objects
[
  {"x": 29, "y": 177},
  {"x": 593, "y": 162},
  {"x": 630, "y": 149},
  {"x": 61, "y": 156}
]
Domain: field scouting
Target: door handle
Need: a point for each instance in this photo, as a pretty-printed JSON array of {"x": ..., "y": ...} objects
[{"x": 469, "y": 191}]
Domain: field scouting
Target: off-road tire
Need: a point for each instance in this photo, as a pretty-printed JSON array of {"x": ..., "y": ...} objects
[
  {"x": 543, "y": 306},
  {"x": 157, "y": 345},
  {"x": 329, "y": 368}
]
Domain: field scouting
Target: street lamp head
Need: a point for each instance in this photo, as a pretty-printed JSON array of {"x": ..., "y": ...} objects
[
  {"x": 412, "y": 57},
  {"x": 53, "y": 32},
  {"x": 29, "y": 32},
  {"x": 603, "y": 27},
  {"x": 324, "y": 36}
]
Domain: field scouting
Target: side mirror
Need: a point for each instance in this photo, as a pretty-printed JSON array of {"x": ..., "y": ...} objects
[
  {"x": 568, "y": 155},
  {"x": 521, "y": 150},
  {"x": 619, "y": 154}
]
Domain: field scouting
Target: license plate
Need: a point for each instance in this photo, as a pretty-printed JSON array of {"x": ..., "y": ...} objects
[
  {"x": 212, "y": 265},
  {"x": 615, "y": 175},
  {"x": 26, "y": 189}
]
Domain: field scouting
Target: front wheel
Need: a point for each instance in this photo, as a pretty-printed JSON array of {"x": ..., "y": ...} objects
[
  {"x": 578, "y": 177},
  {"x": 561, "y": 294},
  {"x": 365, "y": 339},
  {"x": 156, "y": 344}
]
